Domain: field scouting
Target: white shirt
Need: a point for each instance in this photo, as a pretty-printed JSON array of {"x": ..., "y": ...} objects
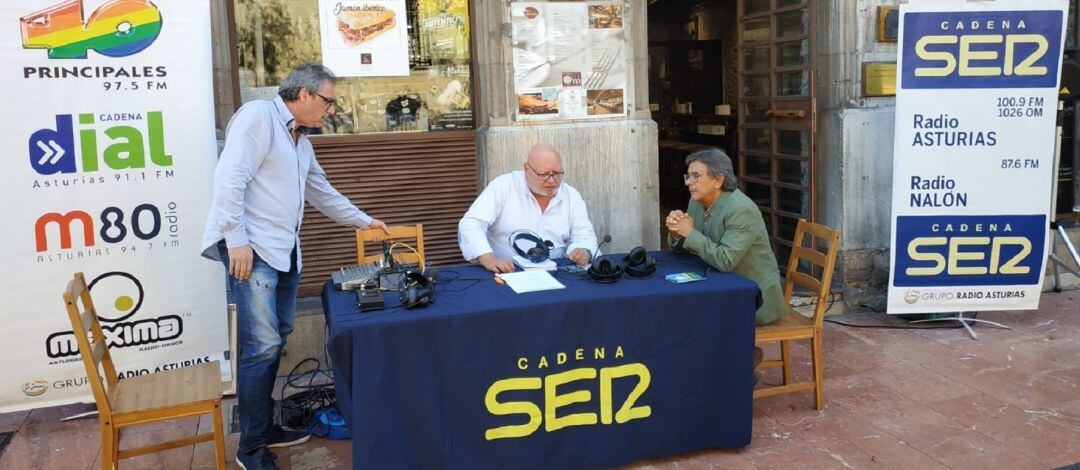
[
  {"x": 507, "y": 205},
  {"x": 260, "y": 185}
]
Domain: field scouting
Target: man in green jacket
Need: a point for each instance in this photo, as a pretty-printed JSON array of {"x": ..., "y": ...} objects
[{"x": 725, "y": 228}]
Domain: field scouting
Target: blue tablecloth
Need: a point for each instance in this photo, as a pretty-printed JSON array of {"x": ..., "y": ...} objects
[{"x": 587, "y": 376}]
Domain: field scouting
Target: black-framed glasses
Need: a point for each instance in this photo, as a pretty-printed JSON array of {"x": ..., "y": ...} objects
[
  {"x": 330, "y": 102},
  {"x": 555, "y": 175}
]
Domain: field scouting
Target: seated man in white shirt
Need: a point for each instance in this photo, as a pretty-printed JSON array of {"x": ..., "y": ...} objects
[{"x": 533, "y": 199}]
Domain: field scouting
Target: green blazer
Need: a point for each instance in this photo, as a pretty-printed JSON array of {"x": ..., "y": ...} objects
[{"x": 731, "y": 237}]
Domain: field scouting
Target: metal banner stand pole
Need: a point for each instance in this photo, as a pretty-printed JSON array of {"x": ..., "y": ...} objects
[
  {"x": 964, "y": 321},
  {"x": 1057, "y": 231}
]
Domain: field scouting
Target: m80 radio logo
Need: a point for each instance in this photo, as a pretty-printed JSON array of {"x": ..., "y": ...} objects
[
  {"x": 991, "y": 49},
  {"x": 144, "y": 222},
  {"x": 937, "y": 251}
]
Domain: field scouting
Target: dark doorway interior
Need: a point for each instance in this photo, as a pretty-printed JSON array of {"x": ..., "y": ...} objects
[{"x": 692, "y": 80}]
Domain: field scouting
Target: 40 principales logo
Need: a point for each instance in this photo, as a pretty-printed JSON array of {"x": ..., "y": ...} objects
[
  {"x": 118, "y": 28},
  {"x": 118, "y": 296},
  {"x": 35, "y": 388}
]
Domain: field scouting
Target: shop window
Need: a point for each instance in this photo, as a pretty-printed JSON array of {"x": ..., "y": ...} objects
[{"x": 272, "y": 36}]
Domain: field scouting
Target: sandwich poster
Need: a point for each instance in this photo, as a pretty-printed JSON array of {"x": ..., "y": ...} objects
[
  {"x": 364, "y": 38},
  {"x": 108, "y": 170},
  {"x": 569, "y": 59},
  {"x": 973, "y": 163}
]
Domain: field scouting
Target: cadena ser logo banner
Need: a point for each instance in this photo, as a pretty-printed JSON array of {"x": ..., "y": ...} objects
[
  {"x": 974, "y": 153},
  {"x": 109, "y": 151}
]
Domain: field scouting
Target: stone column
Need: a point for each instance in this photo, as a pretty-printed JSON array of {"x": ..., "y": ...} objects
[{"x": 612, "y": 162}]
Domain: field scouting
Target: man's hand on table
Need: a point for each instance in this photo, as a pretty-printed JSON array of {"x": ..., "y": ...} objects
[
  {"x": 495, "y": 265},
  {"x": 580, "y": 256}
]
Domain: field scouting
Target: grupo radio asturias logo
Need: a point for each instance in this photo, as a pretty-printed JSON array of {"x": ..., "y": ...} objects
[
  {"x": 118, "y": 296},
  {"x": 35, "y": 388},
  {"x": 117, "y": 28}
]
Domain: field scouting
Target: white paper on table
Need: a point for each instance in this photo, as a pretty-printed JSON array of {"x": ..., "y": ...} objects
[
  {"x": 546, "y": 265},
  {"x": 530, "y": 281}
]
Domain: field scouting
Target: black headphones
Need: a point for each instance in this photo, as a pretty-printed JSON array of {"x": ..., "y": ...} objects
[
  {"x": 638, "y": 263},
  {"x": 538, "y": 253},
  {"x": 417, "y": 289},
  {"x": 605, "y": 271}
]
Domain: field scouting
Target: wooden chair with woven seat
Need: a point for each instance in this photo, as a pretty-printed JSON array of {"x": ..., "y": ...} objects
[
  {"x": 172, "y": 394},
  {"x": 398, "y": 234},
  {"x": 795, "y": 326}
]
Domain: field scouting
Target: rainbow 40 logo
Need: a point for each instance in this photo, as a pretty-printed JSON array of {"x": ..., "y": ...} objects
[{"x": 118, "y": 28}]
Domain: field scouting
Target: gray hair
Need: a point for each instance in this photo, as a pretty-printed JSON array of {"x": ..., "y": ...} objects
[
  {"x": 718, "y": 164},
  {"x": 308, "y": 76}
]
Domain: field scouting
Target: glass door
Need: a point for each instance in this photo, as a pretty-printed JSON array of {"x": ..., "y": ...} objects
[{"x": 777, "y": 113}]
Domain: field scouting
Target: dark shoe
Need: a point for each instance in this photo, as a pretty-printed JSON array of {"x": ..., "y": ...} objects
[
  {"x": 260, "y": 459},
  {"x": 281, "y": 437},
  {"x": 759, "y": 355}
]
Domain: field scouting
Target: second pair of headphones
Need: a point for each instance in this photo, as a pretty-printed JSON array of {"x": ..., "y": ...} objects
[
  {"x": 417, "y": 289},
  {"x": 637, "y": 264},
  {"x": 541, "y": 250}
]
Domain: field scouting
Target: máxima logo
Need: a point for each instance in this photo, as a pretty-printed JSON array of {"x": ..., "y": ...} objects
[
  {"x": 117, "y": 297},
  {"x": 120, "y": 335}
]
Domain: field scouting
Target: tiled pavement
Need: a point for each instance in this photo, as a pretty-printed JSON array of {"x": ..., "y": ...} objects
[{"x": 894, "y": 399}]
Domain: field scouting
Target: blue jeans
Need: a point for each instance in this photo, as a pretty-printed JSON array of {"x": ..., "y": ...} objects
[{"x": 265, "y": 307}]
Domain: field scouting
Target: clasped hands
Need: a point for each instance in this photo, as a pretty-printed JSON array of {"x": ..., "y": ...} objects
[{"x": 679, "y": 223}]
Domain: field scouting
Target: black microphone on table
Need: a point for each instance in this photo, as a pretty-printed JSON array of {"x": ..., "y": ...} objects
[{"x": 607, "y": 238}]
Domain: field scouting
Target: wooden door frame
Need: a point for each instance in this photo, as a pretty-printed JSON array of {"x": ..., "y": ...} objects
[{"x": 773, "y": 124}]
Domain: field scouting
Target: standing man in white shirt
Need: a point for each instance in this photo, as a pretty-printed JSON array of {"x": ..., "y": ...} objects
[
  {"x": 533, "y": 199},
  {"x": 265, "y": 173}
]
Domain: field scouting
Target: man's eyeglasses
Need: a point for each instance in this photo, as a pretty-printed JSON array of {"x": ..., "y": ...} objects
[
  {"x": 555, "y": 175},
  {"x": 330, "y": 102},
  {"x": 691, "y": 177}
]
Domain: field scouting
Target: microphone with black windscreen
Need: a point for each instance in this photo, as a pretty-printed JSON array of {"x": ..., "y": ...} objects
[
  {"x": 603, "y": 271},
  {"x": 607, "y": 238}
]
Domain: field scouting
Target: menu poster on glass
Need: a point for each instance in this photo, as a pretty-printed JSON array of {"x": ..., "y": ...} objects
[
  {"x": 364, "y": 38},
  {"x": 569, "y": 60}
]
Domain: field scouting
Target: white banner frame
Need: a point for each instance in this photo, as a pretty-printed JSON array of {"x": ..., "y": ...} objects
[{"x": 973, "y": 154}]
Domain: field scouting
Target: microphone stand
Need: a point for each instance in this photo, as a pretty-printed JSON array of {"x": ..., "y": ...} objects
[{"x": 592, "y": 259}]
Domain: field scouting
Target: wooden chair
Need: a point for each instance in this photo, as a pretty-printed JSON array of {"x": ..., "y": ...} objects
[
  {"x": 171, "y": 394},
  {"x": 795, "y": 326},
  {"x": 397, "y": 233}
]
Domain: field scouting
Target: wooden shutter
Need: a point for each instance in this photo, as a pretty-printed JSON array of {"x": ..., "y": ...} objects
[{"x": 400, "y": 178}]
